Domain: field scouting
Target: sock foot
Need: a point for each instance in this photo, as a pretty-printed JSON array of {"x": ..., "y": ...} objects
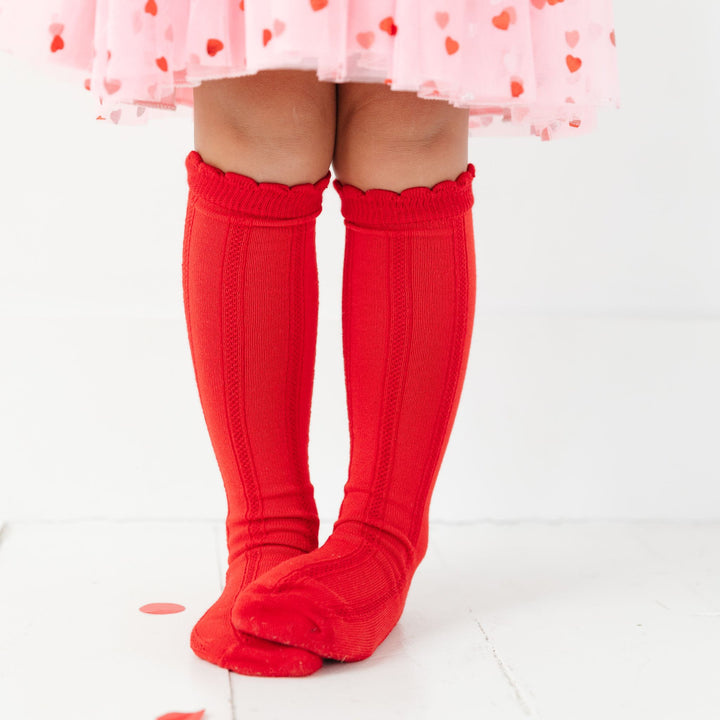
[
  {"x": 246, "y": 654},
  {"x": 215, "y": 640},
  {"x": 302, "y": 602}
]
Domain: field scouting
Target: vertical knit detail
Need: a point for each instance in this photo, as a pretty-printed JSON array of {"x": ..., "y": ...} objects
[
  {"x": 451, "y": 388},
  {"x": 399, "y": 310},
  {"x": 233, "y": 333}
]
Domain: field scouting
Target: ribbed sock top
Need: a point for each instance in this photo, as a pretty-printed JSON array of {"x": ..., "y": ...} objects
[
  {"x": 241, "y": 194},
  {"x": 378, "y": 208}
]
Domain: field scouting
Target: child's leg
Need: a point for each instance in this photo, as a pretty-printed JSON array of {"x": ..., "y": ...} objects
[
  {"x": 408, "y": 306},
  {"x": 251, "y": 301},
  {"x": 395, "y": 140},
  {"x": 275, "y": 126}
]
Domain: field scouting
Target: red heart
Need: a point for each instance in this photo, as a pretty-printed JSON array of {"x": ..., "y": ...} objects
[
  {"x": 516, "y": 88},
  {"x": 242, "y": 4},
  {"x": 502, "y": 21},
  {"x": 162, "y": 608},
  {"x": 573, "y": 63},
  {"x": 365, "y": 39},
  {"x": 214, "y": 46},
  {"x": 572, "y": 38},
  {"x": 388, "y": 26},
  {"x": 161, "y": 62},
  {"x": 151, "y": 7},
  {"x": 57, "y": 44},
  {"x": 442, "y": 19},
  {"x": 267, "y": 36},
  {"x": 452, "y": 46},
  {"x": 318, "y": 4}
]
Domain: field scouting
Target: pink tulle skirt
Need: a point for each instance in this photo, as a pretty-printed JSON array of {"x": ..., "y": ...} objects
[{"x": 522, "y": 67}]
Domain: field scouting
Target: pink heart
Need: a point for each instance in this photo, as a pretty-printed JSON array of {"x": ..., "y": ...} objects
[
  {"x": 442, "y": 19},
  {"x": 572, "y": 38},
  {"x": 56, "y": 28},
  {"x": 278, "y": 27},
  {"x": 365, "y": 39},
  {"x": 112, "y": 86}
]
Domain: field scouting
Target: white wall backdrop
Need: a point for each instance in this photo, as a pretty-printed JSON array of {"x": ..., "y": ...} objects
[{"x": 593, "y": 386}]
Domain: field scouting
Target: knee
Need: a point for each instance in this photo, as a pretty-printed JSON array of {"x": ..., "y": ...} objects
[
  {"x": 394, "y": 140},
  {"x": 399, "y": 122},
  {"x": 266, "y": 120}
]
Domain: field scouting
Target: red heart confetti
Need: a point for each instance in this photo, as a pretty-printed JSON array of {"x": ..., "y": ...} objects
[
  {"x": 161, "y": 62},
  {"x": 452, "y": 46},
  {"x": 151, "y": 7},
  {"x": 183, "y": 716},
  {"x": 502, "y": 21},
  {"x": 57, "y": 44},
  {"x": 214, "y": 46},
  {"x": 162, "y": 608},
  {"x": 318, "y": 4},
  {"x": 388, "y": 26},
  {"x": 573, "y": 63}
]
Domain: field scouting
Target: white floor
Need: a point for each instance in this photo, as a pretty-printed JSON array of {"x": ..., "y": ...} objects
[{"x": 560, "y": 621}]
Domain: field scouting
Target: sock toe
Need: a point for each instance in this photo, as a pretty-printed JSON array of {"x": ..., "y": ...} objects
[
  {"x": 247, "y": 654},
  {"x": 287, "y": 618}
]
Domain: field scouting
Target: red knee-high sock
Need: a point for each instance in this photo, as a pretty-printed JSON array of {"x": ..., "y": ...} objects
[
  {"x": 251, "y": 301},
  {"x": 408, "y": 308}
]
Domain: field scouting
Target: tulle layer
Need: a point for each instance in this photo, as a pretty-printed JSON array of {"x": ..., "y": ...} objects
[{"x": 522, "y": 67}]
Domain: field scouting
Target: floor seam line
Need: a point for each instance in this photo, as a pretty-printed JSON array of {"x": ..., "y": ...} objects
[{"x": 505, "y": 670}]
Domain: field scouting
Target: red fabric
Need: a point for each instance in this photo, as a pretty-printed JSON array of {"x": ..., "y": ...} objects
[
  {"x": 408, "y": 309},
  {"x": 251, "y": 301}
]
